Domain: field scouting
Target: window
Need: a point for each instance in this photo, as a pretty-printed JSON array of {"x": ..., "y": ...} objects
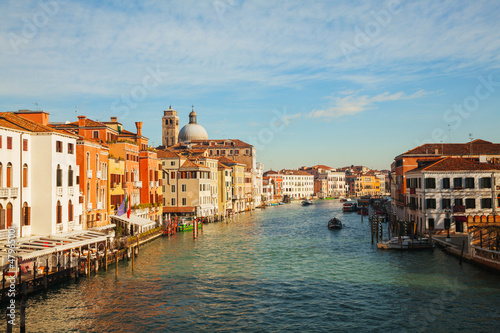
[
  {"x": 486, "y": 182},
  {"x": 25, "y": 144},
  {"x": 95, "y": 134},
  {"x": 486, "y": 203},
  {"x": 172, "y": 201},
  {"x": 430, "y": 182},
  {"x": 459, "y": 202},
  {"x": 172, "y": 163},
  {"x": 183, "y": 188},
  {"x": 172, "y": 175},
  {"x": 71, "y": 149},
  {"x": 457, "y": 183},
  {"x": 184, "y": 201},
  {"x": 469, "y": 182},
  {"x": 470, "y": 203},
  {"x": 59, "y": 212},
  {"x": 25, "y": 175},
  {"x": 59, "y": 147},
  {"x": 9, "y": 175},
  {"x": 70, "y": 211},
  {"x": 446, "y": 182},
  {"x": 445, "y": 203},
  {"x": 0, "y": 141},
  {"x": 430, "y": 203},
  {"x": 9, "y": 142},
  {"x": 431, "y": 224},
  {"x": 172, "y": 189},
  {"x": 70, "y": 176},
  {"x": 1, "y": 175},
  {"x": 26, "y": 214},
  {"x": 59, "y": 176}
]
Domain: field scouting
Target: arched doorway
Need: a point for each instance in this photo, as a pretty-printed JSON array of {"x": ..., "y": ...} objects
[{"x": 9, "y": 215}]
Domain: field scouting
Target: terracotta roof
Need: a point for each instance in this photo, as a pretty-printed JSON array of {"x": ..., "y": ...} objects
[
  {"x": 167, "y": 154},
  {"x": 456, "y": 164},
  {"x": 12, "y": 120},
  {"x": 294, "y": 172},
  {"x": 222, "y": 166},
  {"x": 227, "y": 160},
  {"x": 479, "y": 147},
  {"x": 190, "y": 164}
]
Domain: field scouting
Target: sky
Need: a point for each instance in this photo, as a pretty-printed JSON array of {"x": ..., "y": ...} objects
[{"x": 305, "y": 82}]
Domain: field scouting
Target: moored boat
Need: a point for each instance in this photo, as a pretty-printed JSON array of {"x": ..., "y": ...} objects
[
  {"x": 349, "y": 207},
  {"x": 307, "y": 202},
  {"x": 334, "y": 224},
  {"x": 405, "y": 243}
]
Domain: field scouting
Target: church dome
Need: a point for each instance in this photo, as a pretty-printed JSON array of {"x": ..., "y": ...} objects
[{"x": 192, "y": 131}]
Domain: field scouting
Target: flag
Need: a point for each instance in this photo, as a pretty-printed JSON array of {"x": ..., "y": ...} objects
[
  {"x": 128, "y": 205},
  {"x": 121, "y": 209}
]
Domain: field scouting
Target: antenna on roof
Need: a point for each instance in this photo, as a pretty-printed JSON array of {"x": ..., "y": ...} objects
[
  {"x": 37, "y": 108},
  {"x": 449, "y": 133},
  {"x": 471, "y": 138},
  {"x": 76, "y": 110}
]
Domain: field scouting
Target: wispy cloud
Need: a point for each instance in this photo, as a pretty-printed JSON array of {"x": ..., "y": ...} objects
[{"x": 351, "y": 104}]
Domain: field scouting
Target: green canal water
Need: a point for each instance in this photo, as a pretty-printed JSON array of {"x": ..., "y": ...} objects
[{"x": 278, "y": 269}]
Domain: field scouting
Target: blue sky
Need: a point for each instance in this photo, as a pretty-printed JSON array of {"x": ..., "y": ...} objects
[{"x": 323, "y": 82}]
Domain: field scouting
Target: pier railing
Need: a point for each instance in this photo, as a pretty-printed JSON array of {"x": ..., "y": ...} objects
[{"x": 488, "y": 255}]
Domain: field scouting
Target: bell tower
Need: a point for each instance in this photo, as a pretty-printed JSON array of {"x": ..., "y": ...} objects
[{"x": 169, "y": 127}]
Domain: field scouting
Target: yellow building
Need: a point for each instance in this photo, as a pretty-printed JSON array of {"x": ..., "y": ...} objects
[
  {"x": 238, "y": 183},
  {"x": 367, "y": 184},
  {"x": 224, "y": 189},
  {"x": 116, "y": 175}
]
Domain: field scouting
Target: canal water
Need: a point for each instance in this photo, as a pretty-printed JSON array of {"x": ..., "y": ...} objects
[{"x": 278, "y": 269}]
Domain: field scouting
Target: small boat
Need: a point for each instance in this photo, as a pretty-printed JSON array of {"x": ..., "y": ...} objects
[
  {"x": 334, "y": 224},
  {"x": 405, "y": 243},
  {"x": 363, "y": 211},
  {"x": 349, "y": 207},
  {"x": 281, "y": 203},
  {"x": 187, "y": 225},
  {"x": 307, "y": 202}
]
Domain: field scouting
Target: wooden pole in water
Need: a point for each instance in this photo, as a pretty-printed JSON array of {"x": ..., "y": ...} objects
[
  {"x": 23, "y": 308},
  {"x": 371, "y": 230},
  {"x": 137, "y": 244},
  {"x": 106, "y": 256},
  {"x": 194, "y": 228},
  {"x": 116, "y": 264},
  {"x": 133, "y": 255},
  {"x": 377, "y": 229},
  {"x": 88, "y": 262},
  {"x": 462, "y": 253}
]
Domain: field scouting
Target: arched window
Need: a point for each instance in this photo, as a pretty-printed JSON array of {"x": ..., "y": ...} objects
[
  {"x": 88, "y": 160},
  {"x": 96, "y": 162},
  {"x": 25, "y": 175},
  {"x": 9, "y": 215},
  {"x": 59, "y": 175},
  {"x": 2, "y": 217},
  {"x": 9, "y": 175},
  {"x": 88, "y": 193},
  {"x": 1, "y": 174},
  {"x": 59, "y": 212},
  {"x": 97, "y": 191},
  {"x": 103, "y": 198},
  {"x": 70, "y": 176},
  {"x": 70, "y": 211},
  {"x": 26, "y": 214}
]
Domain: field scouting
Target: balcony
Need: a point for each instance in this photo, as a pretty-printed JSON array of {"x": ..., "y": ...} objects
[
  {"x": 157, "y": 184},
  {"x": 89, "y": 174},
  {"x": 138, "y": 184},
  {"x": 14, "y": 191},
  {"x": 4, "y": 192},
  {"x": 151, "y": 184},
  {"x": 115, "y": 185},
  {"x": 59, "y": 228},
  {"x": 99, "y": 205},
  {"x": 89, "y": 205},
  {"x": 59, "y": 191},
  {"x": 458, "y": 188},
  {"x": 71, "y": 191},
  {"x": 98, "y": 174},
  {"x": 71, "y": 226}
]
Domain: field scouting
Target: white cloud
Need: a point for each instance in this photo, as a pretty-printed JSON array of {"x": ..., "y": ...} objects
[{"x": 352, "y": 104}]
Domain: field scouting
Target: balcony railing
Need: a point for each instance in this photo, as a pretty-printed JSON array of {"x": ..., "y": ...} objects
[
  {"x": 89, "y": 174},
  {"x": 98, "y": 174},
  {"x": 4, "y": 234},
  {"x": 151, "y": 184},
  {"x": 4, "y": 192},
  {"x": 71, "y": 226},
  {"x": 59, "y": 228},
  {"x": 89, "y": 205},
  {"x": 157, "y": 184},
  {"x": 138, "y": 184},
  {"x": 14, "y": 191},
  {"x": 71, "y": 190},
  {"x": 59, "y": 191},
  {"x": 99, "y": 205}
]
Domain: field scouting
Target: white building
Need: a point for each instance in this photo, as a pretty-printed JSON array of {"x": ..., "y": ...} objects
[
  {"x": 39, "y": 187},
  {"x": 297, "y": 183},
  {"x": 257, "y": 184},
  {"x": 443, "y": 194}
]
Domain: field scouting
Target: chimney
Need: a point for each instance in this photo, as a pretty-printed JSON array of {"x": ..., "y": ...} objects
[
  {"x": 114, "y": 119},
  {"x": 81, "y": 124},
  {"x": 40, "y": 117},
  {"x": 138, "y": 124}
]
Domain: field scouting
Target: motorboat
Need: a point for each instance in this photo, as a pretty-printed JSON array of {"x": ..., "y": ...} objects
[
  {"x": 349, "y": 207},
  {"x": 307, "y": 202},
  {"x": 334, "y": 224},
  {"x": 405, "y": 243}
]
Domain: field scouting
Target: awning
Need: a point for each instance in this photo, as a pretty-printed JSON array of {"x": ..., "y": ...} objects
[
  {"x": 460, "y": 218},
  {"x": 179, "y": 210},
  {"x": 36, "y": 246},
  {"x": 105, "y": 227},
  {"x": 133, "y": 219}
]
